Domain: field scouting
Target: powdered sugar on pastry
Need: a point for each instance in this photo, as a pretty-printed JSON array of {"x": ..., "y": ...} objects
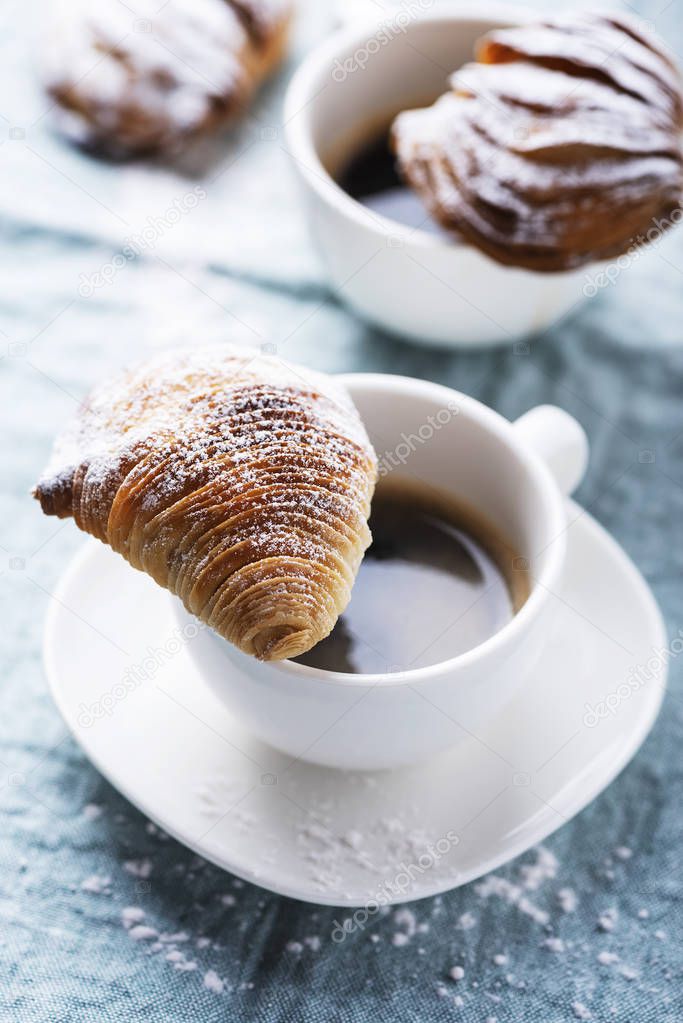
[
  {"x": 562, "y": 145},
  {"x": 241, "y": 483},
  {"x": 142, "y": 76}
]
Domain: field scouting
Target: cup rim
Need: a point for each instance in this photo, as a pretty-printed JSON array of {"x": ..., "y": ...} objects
[
  {"x": 545, "y": 584},
  {"x": 302, "y": 94}
]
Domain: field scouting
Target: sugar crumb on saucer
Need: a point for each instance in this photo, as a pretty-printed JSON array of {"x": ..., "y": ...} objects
[
  {"x": 91, "y": 811},
  {"x": 581, "y": 1011},
  {"x": 622, "y": 852},
  {"x": 500, "y": 959},
  {"x": 353, "y": 839},
  {"x": 607, "y": 958},
  {"x": 456, "y": 973}
]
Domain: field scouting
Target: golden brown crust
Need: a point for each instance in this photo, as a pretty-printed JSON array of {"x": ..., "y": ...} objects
[
  {"x": 560, "y": 147},
  {"x": 241, "y": 484}
]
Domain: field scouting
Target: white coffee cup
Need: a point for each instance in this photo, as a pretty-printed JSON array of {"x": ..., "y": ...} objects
[
  {"x": 518, "y": 476},
  {"x": 428, "y": 288}
]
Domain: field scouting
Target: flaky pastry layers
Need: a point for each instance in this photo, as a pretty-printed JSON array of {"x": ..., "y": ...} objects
[
  {"x": 145, "y": 77},
  {"x": 242, "y": 484},
  {"x": 560, "y": 146}
]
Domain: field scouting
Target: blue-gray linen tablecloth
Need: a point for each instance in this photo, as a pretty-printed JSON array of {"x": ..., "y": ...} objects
[{"x": 73, "y": 852}]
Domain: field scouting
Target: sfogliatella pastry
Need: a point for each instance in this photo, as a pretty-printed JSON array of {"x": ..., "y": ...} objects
[
  {"x": 560, "y": 146},
  {"x": 145, "y": 77},
  {"x": 242, "y": 484}
]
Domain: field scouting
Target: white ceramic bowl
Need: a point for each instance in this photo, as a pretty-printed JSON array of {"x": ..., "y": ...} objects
[
  {"x": 518, "y": 476},
  {"x": 405, "y": 280}
]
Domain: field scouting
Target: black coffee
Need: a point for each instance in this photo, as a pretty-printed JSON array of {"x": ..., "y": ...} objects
[
  {"x": 436, "y": 581},
  {"x": 371, "y": 177}
]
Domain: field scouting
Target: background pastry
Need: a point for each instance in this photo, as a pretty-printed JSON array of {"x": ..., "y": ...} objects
[
  {"x": 241, "y": 484},
  {"x": 145, "y": 77},
  {"x": 559, "y": 147}
]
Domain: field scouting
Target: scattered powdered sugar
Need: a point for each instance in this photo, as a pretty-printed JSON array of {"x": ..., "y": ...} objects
[
  {"x": 91, "y": 811},
  {"x": 567, "y": 900},
  {"x": 139, "y": 868},
  {"x": 141, "y": 932},
  {"x": 513, "y": 894},
  {"x": 406, "y": 919},
  {"x": 213, "y": 982},
  {"x": 533, "y": 875},
  {"x": 97, "y": 884},
  {"x": 622, "y": 852},
  {"x": 554, "y": 944},
  {"x": 607, "y": 920},
  {"x": 607, "y": 958},
  {"x": 466, "y": 921},
  {"x": 580, "y": 1011},
  {"x": 132, "y": 915},
  {"x": 500, "y": 959},
  {"x": 180, "y": 961}
]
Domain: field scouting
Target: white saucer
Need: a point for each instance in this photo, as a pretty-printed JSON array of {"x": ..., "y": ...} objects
[{"x": 112, "y": 646}]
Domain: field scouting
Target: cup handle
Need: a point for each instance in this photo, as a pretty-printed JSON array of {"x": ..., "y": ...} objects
[{"x": 559, "y": 440}]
